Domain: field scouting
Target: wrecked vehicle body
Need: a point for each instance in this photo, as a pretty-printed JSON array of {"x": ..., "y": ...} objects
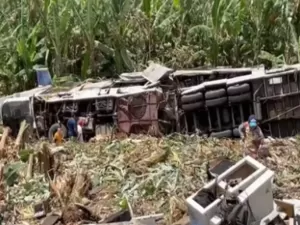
[
  {"x": 128, "y": 109},
  {"x": 217, "y": 107},
  {"x": 160, "y": 100},
  {"x": 106, "y": 105},
  {"x": 18, "y": 107}
]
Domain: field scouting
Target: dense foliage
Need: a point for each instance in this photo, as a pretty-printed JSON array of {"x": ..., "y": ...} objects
[{"x": 92, "y": 38}]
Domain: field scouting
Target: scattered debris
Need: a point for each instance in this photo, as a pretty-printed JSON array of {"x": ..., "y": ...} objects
[
  {"x": 105, "y": 181},
  {"x": 41, "y": 209}
]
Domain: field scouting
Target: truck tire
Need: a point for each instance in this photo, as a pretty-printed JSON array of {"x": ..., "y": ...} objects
[
  {"x": 216, "y": 102},
  {"x": 53, "y": 129},
  {"x": 215, "y": 93},
  {"x": 222, "y": 134},
  {"x": 239, "y": 89},
  {"x": 192, "y": 106},
  {"x": 240, "y": 98},
  {"x": 191, "y": 98}
]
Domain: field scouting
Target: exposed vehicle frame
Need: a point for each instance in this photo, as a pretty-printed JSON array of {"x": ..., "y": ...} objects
[{"x": 273, "y": 96}]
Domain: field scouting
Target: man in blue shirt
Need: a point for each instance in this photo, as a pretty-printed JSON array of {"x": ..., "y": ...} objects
[{"x": 72, "y": 127}]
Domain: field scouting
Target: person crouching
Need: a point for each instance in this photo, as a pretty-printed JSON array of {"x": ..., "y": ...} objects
[
  {"x": 58, "y": 136},
  {"x": 253, "y": 138}
]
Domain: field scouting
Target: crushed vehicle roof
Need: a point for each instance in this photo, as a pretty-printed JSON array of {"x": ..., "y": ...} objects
[
  {"x": 179, "y": 73},
  {"x": 96, "y": 92},
  {"x": 29, "y": 93},
  {"x": 134, "y": 76}
]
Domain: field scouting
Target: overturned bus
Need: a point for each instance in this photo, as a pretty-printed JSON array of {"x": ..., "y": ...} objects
[
  {"x": 207, "y": 102},
  {"x": 130, "y": 109},
  {"x": 218, "y": 107}
]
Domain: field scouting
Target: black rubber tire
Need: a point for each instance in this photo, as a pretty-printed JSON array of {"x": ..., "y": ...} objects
[
  {"x": 236, "y": 132},
  {"x": 216, "y": 102},
  {"x": 215, "y": 93},
  {"x": 238, "y": 89},
  {"x": 192, "y": 106},
  {"x": 196, "y": 97},
  {"x": 222, "y": 134},
  {"x": 53, "y": 129},
  {"x": 240, "y": 98}
]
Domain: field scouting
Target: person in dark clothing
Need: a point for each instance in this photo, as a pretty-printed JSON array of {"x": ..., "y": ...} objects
[
  {"x": 251, "y": 135},
  {"x": 72, "y": 127}
]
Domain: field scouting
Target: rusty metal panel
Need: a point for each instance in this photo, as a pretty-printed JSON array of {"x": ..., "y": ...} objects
[{"x": 140, "y": 110}]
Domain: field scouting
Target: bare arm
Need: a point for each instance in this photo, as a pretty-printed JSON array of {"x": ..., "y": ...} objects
[
  {"x": 242, "y": 130},
  {"x": 54, "y": 137},
  {"x": 260, "y": 134}
]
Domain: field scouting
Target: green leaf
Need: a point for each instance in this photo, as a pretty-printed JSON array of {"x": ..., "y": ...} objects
[
  {"x": 214, "y": 13},
  {"x": 176, "y": 4},
  {"x": 124, "y": 203},
  {"x": 200, "y": 29},
  {"x": 272, "y": 58},
  {"x": 126, "y": 59},
  {"x": 11, "y": 173},
  {"x": 146, "y": 7},
  {"x": 24, "y": 154}
]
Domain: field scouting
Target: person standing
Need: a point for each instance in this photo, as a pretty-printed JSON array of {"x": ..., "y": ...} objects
[
  {"x": 72, "y": 128},
  {"x": 79, "y": 130}
]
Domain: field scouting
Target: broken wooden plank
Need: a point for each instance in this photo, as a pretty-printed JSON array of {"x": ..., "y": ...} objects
[
  {"x": 123, "y": 215},
  {"x": 142, "y": 220},
  {"x": 286, "y": 207},
  {"x": 5, "y": 134},
  {"x": 51, "y": 219}
]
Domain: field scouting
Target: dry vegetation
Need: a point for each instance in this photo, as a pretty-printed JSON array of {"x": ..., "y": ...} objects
[{"x": 94, "y": 180}]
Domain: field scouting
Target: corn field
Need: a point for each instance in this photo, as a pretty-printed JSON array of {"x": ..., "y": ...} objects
[{"x": 93, "y": 38}]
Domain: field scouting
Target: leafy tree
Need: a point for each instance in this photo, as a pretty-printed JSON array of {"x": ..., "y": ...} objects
[{"x": 90, "y": 38}]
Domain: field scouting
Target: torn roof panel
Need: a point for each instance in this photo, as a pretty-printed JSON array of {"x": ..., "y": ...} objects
[
  {"x": 97, "y": 85},
  {"x": 34, "y": 91},
  {"x": 188, "y": 73},
  {"x": 197, "y": 72},
  {"x": 130, "y": 81},
  {"x": 95, "y": 93},
  {"x": 132, "y": 76},
  {"x": 156, "y": 72}
]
